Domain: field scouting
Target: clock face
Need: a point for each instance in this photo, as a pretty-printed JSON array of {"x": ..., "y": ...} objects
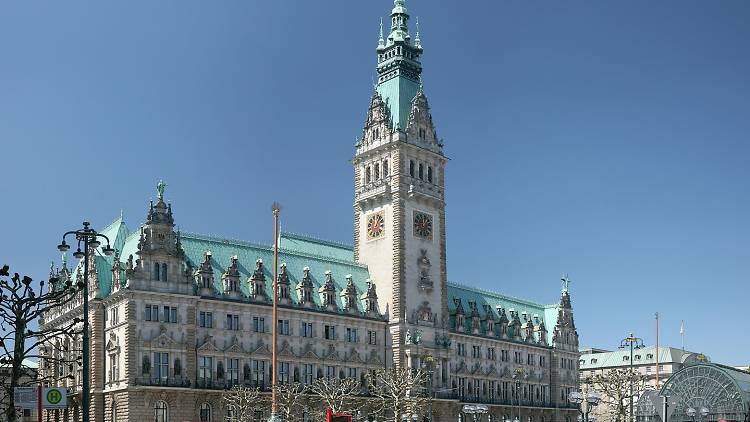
[
  {"x": 422, "y": 225},
  {"x": 375, "y": 225}
]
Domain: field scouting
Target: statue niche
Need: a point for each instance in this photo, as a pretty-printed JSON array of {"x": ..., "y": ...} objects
[{"x": 425, "y": 282}]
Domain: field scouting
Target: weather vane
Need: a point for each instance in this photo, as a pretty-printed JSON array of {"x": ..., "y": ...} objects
[{"x": 565, "y": 282}]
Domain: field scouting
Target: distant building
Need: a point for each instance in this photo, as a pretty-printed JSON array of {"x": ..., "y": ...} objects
[{"x": 30, "y": 375}]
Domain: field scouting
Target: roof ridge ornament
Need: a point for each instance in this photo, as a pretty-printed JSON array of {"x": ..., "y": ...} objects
[{"x": 381, "y": 39}]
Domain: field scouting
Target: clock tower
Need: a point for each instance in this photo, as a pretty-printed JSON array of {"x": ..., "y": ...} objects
[{"x": 399, "y": 207}]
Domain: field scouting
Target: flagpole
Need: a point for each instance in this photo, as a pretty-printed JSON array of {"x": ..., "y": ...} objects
[
  {"x": 682, "y": 334},
  {"x": 274, "y": 364},
  {"x": 657, "y": 350}
]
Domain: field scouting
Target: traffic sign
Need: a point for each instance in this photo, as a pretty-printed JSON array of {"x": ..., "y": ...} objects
[{"x": 54, "y": 398}]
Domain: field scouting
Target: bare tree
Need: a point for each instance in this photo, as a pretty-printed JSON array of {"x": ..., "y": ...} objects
[
  {"x": 291, "y": 401},
  {"x": 338, "y": 394},
  {"x": 22, "y": 305},
  {"x": 399, "y": 390},
  {"x": 614, "y": 386},
  {"x": 244, "y": 401}
]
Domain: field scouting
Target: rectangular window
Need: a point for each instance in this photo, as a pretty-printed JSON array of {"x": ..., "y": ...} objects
[
  {"x": 283, "y": 327},
  {"x": 542, "y": 361},
  {"x": 330, "y": 372},
  {"x": 330, "y": 332},
  {"x": 353, "y": 373},
  {"x": 308, "y": 373},
  {"x": 113, "y": 370},
  {"x": 461, "y": 349},
  {"x": 152, "y": 313},
  {"x": 372, "y": 337},
  {"x": 475, "y": 352},
  {"x": 233, "y": 322},
  {"x": 259, "y": 373},
  {"x": 170, "y": 314},
  {"x": 233, "y": 371},
  {"x": 205, "y": 368},
  {"x": 259, "y": 324},
  {"x": 529, "y": 359},
  {"x": 206, "y": 319},
  {"x": 284, "y": 372},
  {"x": 351, "y": 335},
  {"x": 306, "y": 329},
  {"x": 161, "y": 365},
  {"x": 114, "y": 318}
]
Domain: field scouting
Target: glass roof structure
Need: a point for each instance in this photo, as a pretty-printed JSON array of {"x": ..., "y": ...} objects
[{"x": 703, "y": 392}]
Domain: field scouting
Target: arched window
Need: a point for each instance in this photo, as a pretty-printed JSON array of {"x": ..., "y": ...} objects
[
  {"x": 385, "y": 168},
  {"x": 377, "y": 171},
  {"x": 156, "y": 271},
  {"x": 161, "y": 411},
  {"x": 205, "y": 413},
  {"x": 411, "y": 168},
  {"x": 231, "y": 415},
  {"x": 114, "y": 411},
  {"x": 367, "y": 174},
  {"x": 421, "y": 171},
  {"x": 163, "y": 272},
  {"x": 429, "y": 174}
]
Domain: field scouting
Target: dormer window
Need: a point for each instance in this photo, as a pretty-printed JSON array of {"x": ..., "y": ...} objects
[
  {"x": 593, "y": 361},
  {"x": 637, "y": 357},
  {"x": 625, "y": 358},
  {"x": 649, "y": 356}
]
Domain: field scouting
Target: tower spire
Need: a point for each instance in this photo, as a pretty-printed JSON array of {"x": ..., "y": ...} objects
[{"x": 399, "y": 67}]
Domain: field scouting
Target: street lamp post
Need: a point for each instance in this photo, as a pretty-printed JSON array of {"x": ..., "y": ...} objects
[
  {"x": 634, "y": 343},
  {"x": 89, "y": 238},
  {"x": 517, "y": 378},
  {"x": 590, "y": 399}
]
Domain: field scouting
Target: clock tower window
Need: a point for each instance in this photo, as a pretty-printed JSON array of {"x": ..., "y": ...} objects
[
  {"x": 421, "y": 171},
  {"x": 377, "y": 171},
  {"x": 385, "y": 168},
  {"x": 429, "y": 174},
  {"x": 367, "y": 174},
  {"x": 411, "y": 168}
]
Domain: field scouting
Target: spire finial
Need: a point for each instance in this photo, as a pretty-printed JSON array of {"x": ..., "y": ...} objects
[
  {"x": 417, "y": 41},
  {"x": 381, "y": 40}
]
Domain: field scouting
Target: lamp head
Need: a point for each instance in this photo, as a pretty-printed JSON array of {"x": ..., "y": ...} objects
[
  {"x": 63, "y": 247},
  {"x": 108, "y": 250},
  {"x": 95, "y": 243},
  {"x": 690, "y": 411},
  {"x": 704, "y": 411},
  {"x": 575, "y": 397},
  {"x": 78, "y": 254}
]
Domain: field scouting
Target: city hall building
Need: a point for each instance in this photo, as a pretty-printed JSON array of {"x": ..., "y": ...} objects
[{"x": 176, "y": 318}]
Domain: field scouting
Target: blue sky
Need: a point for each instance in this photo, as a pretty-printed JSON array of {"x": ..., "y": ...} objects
[{"x": 608, "y": 140}]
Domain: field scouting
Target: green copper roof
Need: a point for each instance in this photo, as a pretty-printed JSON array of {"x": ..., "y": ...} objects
[
  {"x": 398, "y": 94},
  {"x": 546, "y": 313},
  {"x": 643, "y": 356}
]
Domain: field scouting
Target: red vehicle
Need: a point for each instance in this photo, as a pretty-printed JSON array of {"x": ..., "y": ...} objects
[{"x": 337, "y": 417}]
